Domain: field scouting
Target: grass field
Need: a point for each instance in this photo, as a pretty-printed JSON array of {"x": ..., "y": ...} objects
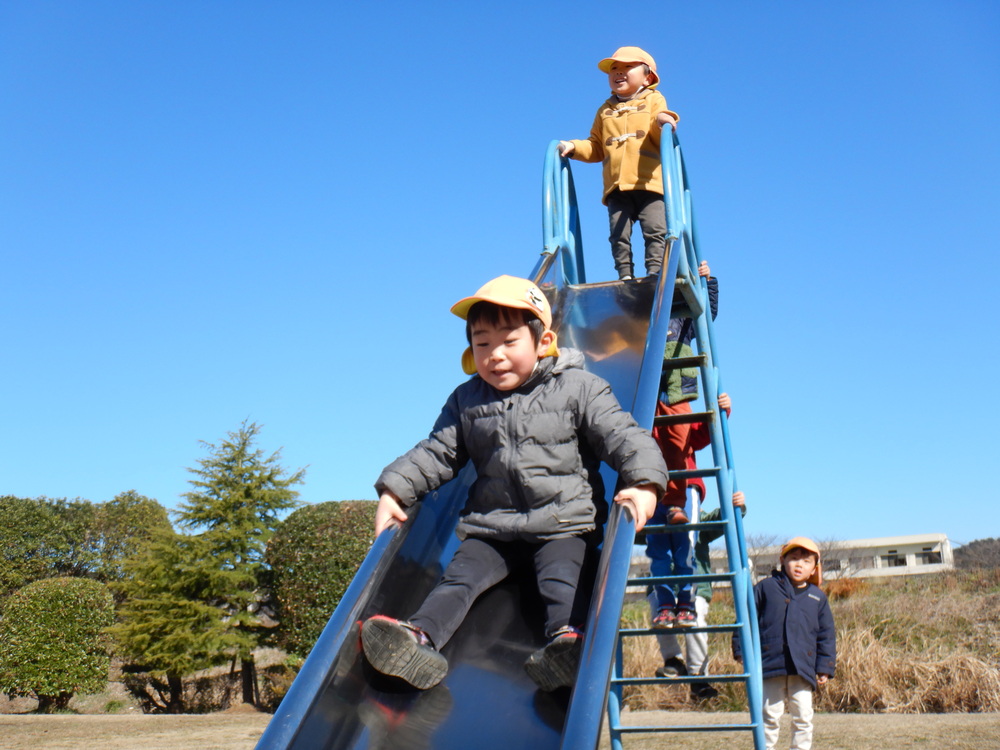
[
  {"x": 240, "y": 731},
  {"x": 917, "y": 668}
]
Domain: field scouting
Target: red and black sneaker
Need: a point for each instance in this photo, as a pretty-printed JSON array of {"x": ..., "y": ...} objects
[
  {"x": 664, "y": 619},
  {"x": 685, "y": 618},
  {"x": 555, "y": 665},
  {"x": 396, "y": 648}
]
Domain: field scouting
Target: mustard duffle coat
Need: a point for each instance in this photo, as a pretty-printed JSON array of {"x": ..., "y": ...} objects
[{"x": 626, "y": 139}]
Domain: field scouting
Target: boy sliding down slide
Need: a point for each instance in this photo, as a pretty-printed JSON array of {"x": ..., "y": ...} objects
[{"x": 535, "y": 425}]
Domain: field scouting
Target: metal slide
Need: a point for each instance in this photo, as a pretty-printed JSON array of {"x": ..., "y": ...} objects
[{"x": 487, "y": 700}]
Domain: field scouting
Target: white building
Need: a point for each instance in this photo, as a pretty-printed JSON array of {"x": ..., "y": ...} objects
[
  {"x": 857, "y": 558},
  {"x": 862, "y": 558}
]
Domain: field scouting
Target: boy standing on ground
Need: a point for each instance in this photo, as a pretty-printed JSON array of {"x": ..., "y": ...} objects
[
  {"x": 625, "y": 136},
  {"x": 798, "y": 642},
  {"x": 536, "y": 426}
]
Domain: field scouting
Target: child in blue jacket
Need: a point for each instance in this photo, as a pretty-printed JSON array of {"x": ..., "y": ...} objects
[{"x": 798, "y": 642}]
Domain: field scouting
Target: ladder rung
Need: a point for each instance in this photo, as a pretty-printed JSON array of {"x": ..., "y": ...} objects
[
  {"x": 683, "y": 418},
  {"x": 685, "y": 297},
  {"x": 669, "y": 528},
  {"x": 681, "y": 363},
  {"x": 684, "y": 728},
  {"x": 727, "y": 628},
  {"x": 636, "y": 681},
  {"x": 708, "y": 471},
  {"x": 699, "y": 578}
]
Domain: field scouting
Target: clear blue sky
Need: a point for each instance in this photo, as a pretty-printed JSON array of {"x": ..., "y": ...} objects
[{"x": 212, "y": 212}]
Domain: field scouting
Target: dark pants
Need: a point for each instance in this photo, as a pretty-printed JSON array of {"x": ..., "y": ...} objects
[
  {"x": 625, "y": 207},
  {"x": 479, "y": 564}
]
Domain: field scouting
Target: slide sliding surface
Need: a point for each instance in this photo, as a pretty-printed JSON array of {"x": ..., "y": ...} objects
[{"x": 487, "y": 700}]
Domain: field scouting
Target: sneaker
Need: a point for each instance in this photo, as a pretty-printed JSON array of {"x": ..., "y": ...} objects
[
  {"x": 555, "y": 665},
  {"x": 664, "y": 619},
  {"x": 626, "y": 277},
  {"x": 685, "y": 618},
  {"x": 396, "y": 648},
  {"x": 676, "y": 515},
  {"x": 672, "y": 667},
  {"x": 702, "y": 691}
]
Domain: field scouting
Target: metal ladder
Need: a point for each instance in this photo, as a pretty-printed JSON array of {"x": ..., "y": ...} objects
[{"x": 690, "y": 299}]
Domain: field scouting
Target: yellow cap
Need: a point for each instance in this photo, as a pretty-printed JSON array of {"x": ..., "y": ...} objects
[
  {"x": 804, "y": 542},
  {"x": 508, "y": 291},
  {"x": 631, "y": 55}
]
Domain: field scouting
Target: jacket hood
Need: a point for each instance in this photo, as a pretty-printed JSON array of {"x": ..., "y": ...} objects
[{"x": 567, "y": 358}]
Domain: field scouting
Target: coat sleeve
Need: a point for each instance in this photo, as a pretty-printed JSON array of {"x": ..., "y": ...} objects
[
  {"x": 619, "y": 441},
  {"x": 826, "y": 641},
  {"x": 591, "y": 149},
  {"x": 699, "y": 436},
  {"x": 758, "y": 596},
  {"x": 707, "y": 536},
  {"x": 713, "y": 296},
  {"x": 431, "y": 462},
  {"x": 658, "y": 103}
]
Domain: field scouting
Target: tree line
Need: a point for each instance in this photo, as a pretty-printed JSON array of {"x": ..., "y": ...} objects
[{"x": 240, "y": 564}]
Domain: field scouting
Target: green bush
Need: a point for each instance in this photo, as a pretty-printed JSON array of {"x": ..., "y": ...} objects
[
  {"x": 47, "y": 538},
  {"x": 313, "y": 557},
  {"x": 43, "y": 538},
  {"x": 51, "y": 640}
]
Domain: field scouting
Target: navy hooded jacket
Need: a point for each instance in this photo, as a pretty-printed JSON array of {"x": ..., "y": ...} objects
[{"x": 798, "y": 623}]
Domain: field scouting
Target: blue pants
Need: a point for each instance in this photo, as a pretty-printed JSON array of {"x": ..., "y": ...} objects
[{"x": 670, "y": 555}]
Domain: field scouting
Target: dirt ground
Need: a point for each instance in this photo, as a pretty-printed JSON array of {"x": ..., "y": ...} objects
[{"x": 240, "y": 731}]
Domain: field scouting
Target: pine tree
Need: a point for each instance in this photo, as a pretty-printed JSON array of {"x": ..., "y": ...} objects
[{"x": 192, "y": 597}]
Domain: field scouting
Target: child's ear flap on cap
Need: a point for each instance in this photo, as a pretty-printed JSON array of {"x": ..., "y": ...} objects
[
  {"x": 468, "y": 361},
  {"x": 551, "y": 350}
]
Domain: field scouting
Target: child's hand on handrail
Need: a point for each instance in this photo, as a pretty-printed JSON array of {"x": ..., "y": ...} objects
[
  {"x": 641, "y": 502},
  {"x": 389, "y": 510},
  {"x": 663, "y": 118}
]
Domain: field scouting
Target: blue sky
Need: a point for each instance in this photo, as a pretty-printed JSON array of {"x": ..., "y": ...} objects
[{"x": 213, "y": 212}]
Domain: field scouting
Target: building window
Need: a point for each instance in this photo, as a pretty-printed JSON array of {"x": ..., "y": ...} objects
[
  {"x": 861, "y": 563},
  {"x": 893, "y": 560},
  {"x": 928, "y": 557}
]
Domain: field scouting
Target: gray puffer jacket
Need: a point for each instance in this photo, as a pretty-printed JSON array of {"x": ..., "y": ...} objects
[{"x": 537, "y": 451}]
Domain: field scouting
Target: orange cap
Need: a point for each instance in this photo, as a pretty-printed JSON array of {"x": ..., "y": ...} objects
[
  {"x": 631, "y": 55},
  {"x": 804, "y": 542},
  {"x": 508, "y": 291}
]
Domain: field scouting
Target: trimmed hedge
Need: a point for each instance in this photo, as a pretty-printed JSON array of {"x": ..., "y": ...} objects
[
  {"x": 52, "y": 643},
  {"x": 313, "y": 558}
]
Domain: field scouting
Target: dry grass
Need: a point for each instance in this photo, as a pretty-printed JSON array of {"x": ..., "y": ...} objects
[{"x": 928, "y": 644}]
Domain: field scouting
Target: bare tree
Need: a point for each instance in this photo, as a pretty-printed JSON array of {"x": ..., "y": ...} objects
[{"x": 761, "y": 554}]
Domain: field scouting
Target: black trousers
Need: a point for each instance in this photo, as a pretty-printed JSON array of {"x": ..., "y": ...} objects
[
  {"x": 625, "y": 207},
  {"x": 480, "y": 564}
]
